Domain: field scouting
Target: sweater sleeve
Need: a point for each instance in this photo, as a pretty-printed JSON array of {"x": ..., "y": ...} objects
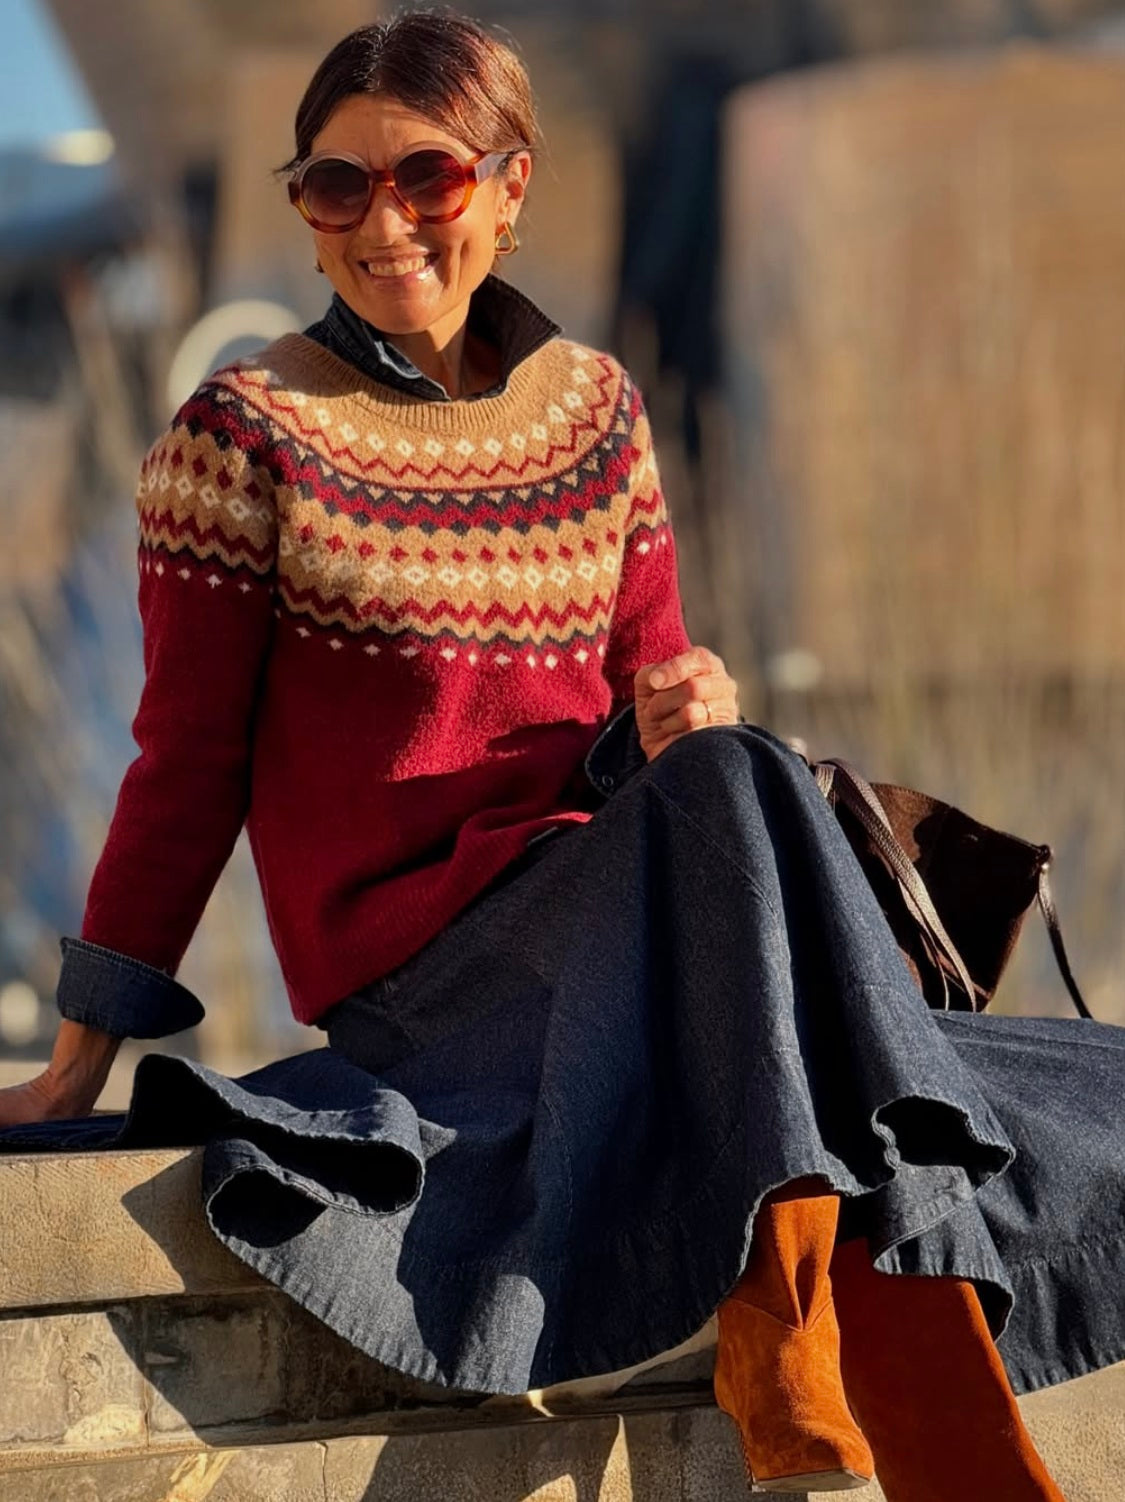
[
  {"x": 647, "y": 624},
  {"x": 206, "y": 559}
]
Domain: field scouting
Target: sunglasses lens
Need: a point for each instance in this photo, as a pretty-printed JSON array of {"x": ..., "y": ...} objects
[
  {"x": 335, "y": 191},
  {"x": 432, "y": 182}
]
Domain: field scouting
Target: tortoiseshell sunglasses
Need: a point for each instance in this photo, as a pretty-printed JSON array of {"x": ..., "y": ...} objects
[{"x": 333, "y": 189}]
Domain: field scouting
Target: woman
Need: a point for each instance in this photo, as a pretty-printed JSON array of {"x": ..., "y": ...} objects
[{"x": 608, "y": 1003}]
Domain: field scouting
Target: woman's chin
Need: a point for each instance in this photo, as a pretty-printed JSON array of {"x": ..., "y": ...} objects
[{"x": 399, "y": 305}]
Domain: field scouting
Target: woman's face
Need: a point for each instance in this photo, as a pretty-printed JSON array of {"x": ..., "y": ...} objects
[{"x": 459, "y": 254}]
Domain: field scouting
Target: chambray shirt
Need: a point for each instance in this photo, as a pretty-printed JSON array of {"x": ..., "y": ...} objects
[{"x": 498, "y": 313}]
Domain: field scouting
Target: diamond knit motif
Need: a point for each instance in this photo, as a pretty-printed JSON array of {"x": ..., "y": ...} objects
[{"x": 474, "y": 547}]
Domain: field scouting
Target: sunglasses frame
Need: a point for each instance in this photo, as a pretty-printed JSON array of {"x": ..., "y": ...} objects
[{"x": 476, "y": 169}]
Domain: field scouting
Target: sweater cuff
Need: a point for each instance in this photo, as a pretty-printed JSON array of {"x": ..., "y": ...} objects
[
  {"x": 617, "y": 753},
  {"x": 121, "y": 995}
]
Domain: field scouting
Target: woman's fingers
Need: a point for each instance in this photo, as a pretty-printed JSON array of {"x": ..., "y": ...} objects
[
  {"x": 667, "y": 674},
  {"x": 684, "y": 705},
  {"x": 683, "y": 693}
]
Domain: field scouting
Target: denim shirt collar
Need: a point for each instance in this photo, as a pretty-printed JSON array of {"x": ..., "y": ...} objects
[{"x": 498, "y": 312}]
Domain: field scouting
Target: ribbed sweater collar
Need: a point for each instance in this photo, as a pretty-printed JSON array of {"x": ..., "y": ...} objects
[{"x": 305, "y": 368}]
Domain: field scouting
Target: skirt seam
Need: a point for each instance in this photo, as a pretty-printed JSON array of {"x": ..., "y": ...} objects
[{"x": 706, "y": 835}]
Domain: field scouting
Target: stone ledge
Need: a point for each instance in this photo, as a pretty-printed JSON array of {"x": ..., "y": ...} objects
[
  {"x": 204, "y": 1370},
  {"x": 688, "y": 1455},
  {"x": 120, "y": 1225},
  {"x": 141, "y": 1360}
]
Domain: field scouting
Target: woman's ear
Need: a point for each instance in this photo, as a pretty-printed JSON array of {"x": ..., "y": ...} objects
[{"x": 514, "y": 187}]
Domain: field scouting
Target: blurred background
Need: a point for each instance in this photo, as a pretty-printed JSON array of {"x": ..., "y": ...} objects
[{"x": 866, "y": 260}]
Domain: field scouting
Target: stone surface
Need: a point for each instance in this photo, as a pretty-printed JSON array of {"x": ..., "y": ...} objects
[
  {"x": 119, "y": 1225},
  {"x": 191, "y": 1370},
  {"x": 1080, "y": 1429},
  {"x": 262, "y": 1473},
  {"x": 690, "y": 1455},
  {"x": 686, "y": 1456},
  {"x": 142, "y": 1391},
  {"x": 68, "y": 1378},
  {"x": 215, "y": 1363},
  {"x": 95, "y": 1391}
]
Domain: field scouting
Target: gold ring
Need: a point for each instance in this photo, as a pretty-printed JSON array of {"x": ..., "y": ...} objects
[{"x": 707, "y": 703}]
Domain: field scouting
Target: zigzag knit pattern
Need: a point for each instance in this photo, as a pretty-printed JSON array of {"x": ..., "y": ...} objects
[
  {"x": 381, "y": 634},
  {"x": 504, "y": 547}
]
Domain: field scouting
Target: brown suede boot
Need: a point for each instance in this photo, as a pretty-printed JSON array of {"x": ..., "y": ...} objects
[
  {"x": 928, "y": 1385},
  {"x": 777, "y": 1362}
]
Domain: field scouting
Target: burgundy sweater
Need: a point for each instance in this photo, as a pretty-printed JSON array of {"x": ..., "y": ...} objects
[{"x": 382, "y": 633}]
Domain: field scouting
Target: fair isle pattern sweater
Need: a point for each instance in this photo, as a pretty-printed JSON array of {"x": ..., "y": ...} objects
[{"x": 382, "y": 633}]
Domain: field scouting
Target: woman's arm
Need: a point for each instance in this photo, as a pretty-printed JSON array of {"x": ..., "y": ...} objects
[
  {"x": 647, "y": 624},
  {"x": 71, "y": 1083},
  {"x": 647, "y": 630},
  {"x": 206, "y": 561}
]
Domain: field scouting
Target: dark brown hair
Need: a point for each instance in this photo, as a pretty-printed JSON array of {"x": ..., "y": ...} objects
[{"x": 436, "y": 62}]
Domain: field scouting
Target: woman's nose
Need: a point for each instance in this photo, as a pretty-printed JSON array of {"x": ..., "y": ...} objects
[{"x": 386, "y": 220}]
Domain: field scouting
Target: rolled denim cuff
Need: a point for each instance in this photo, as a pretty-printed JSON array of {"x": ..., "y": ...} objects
[
  {"x": 617, "y": 753},
  {"x": 121, "y": 995}
]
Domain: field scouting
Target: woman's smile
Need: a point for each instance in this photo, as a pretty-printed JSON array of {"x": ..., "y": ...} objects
[{"x": 408, "y": 267}]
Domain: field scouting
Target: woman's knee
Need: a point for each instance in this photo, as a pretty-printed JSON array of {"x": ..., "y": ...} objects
[
  {"x": 739, "y": 780},
  {"x": 715, "y": 751}
]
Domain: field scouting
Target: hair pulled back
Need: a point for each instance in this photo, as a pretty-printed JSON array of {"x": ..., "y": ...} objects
[{"x": 436, "y": 62}]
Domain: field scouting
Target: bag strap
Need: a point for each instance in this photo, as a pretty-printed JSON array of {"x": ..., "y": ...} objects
[
  {"x": 859, "y": 797},
  {"x": 1051, "y": 918}
]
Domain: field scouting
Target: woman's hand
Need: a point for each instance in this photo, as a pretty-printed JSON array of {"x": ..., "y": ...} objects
[
  {"x": 70, "y": 1084},
  {"x": 687, "y": 692},
  {"x": 33, "y": 1100}
]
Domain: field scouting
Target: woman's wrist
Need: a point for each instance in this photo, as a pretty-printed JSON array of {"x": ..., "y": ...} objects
[{"x": 80, "y": 1063}]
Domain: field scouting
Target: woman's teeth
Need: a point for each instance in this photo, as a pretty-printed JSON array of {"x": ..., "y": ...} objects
[{"x": 397, "y": 268}]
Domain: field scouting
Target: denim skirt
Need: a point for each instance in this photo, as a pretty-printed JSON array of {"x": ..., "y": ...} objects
[
  {"x": 657, "y": 1017},
  {"x": 602, "y": 1065}
]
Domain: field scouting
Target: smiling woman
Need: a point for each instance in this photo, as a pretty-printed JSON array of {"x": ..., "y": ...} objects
[
  {"x": 413, "y": 158},
  {"x": 618, "y": 1035}
]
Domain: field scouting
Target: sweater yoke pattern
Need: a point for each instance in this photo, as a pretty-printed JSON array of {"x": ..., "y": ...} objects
[{"x": 493, "y": 542}]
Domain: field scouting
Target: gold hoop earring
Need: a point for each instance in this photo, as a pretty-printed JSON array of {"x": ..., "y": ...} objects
[{"x": 513, "y": 242}]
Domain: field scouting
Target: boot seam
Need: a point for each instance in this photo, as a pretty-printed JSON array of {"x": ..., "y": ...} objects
[{"x": 777, "y": 1320}]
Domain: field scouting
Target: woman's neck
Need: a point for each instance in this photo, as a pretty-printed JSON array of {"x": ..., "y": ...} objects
[
  {"x": 445, "y": 361},
  {"x": 467, "y": 363}
]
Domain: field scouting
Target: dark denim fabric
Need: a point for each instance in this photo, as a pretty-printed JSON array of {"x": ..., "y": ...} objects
[
  {"x": 121, "y": 995},
  {"x": 499, "y": 312},
  {"x": 535, "y": 1151}
]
